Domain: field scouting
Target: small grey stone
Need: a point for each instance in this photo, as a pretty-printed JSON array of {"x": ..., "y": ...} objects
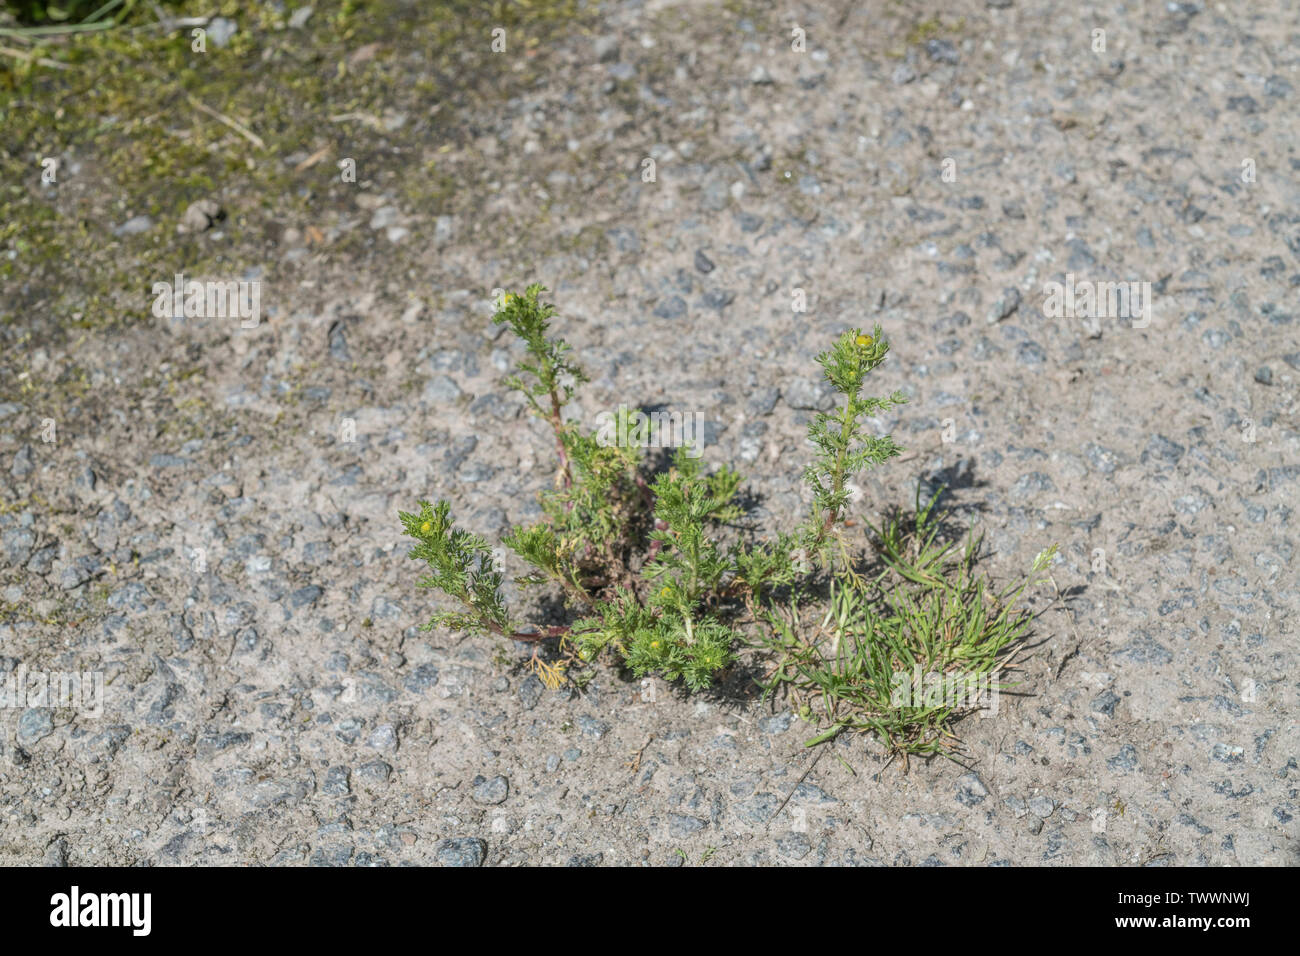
[
  {"x": 133, "y": 596},
  {"x": 591, "y": 727},
  {"x": 1225, "y": 753},
  {"x": 759, "y": 808},
  {"x": 18, "y": 544},
  {"x": 794, "y": 844},
  {"x": 1103, "y": 459},
  {"x": 73, "y": 576},
  {"x": 441, "y": 388},
  {"x": 305, "y": 596},
  {"x": 606, "y": 48},
  {"x": 776, "y": 724},
  {"x": 299, "y": 18},
  {"x": 810, "y": 793},
  {"x": 673, "y": 307},
  {"x": 421, "y": 679},
  {"x": 1007, "y": 303},
  {"x": 384, "y": 216},
  {"x": 490, "y": 790},
  {"x": 1165, "y": 450},
  {"x": 1215, "y": 338},
  {"x": 1124, "y": 761},
  {"x": 169, "y": 461},
  {"x": 1034, "y": 481},
  {"x": 200, "y": 216},
  {"x": 108, "y": 743},
  {"x": 331, "y": 856},
  {"x": 41, "y": 562},
  {"x": 718, "y": 299},
  {"x": 23, "y": 464},
  {"x": 337, "y": 781},
  {"x": 460, "y": 851},
  {"x": 760, "y": 76},
  {"x": 383, "y": 737},
  {"x": 903, "y": 74},
  {"x": 530, "y": 691},
  {"x": 1042, "y": 807},
  {"x": 34, "y": 725},
  {"x": 941, "y": 51},
  {"x": 134, "y": 226},
  {"x": 702, "y": 262},
  {"x": 1190, "y": 504},
  {"x": 376, "y": 770},
  {"x": 338, "y": 343},
  {"x": 56, "y": 854},
  {"x": 680, "y": 826},
  {"x": 1030, "y": 353},
  {"x": 970, "y": 790},
  {"x": 1145, "y": 650},
  {"x": 1277, "y": 86},
  {"x": 762, "y": 401},
  {"x": 1104, "y": 703},
  {"x": 1264, "y": 375}
]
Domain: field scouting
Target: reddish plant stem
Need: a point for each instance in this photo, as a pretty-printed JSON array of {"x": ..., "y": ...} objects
[
  {"x": 558, "y": 425},
  {"x": 656, "y": 545}
]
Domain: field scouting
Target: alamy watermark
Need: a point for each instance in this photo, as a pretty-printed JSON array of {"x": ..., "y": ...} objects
[
  {"x": 81, "y": 691},
  {"x": 635, "y": 429},
  {"x": 960, "y": 690},
  {"x": 1098, "y": 300},
  {"x": 130, "y": 910},
  {"x": 191, "y": 299}
]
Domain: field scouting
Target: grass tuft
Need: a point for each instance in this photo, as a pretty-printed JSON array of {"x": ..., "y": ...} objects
[{"x": 906, "y": 653}]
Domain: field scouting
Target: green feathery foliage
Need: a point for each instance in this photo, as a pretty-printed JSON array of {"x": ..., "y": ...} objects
[
  {"x": 844, "y": 447},
  {"x": 654, "y": 569},
  {"x": 461, "y": 565}
]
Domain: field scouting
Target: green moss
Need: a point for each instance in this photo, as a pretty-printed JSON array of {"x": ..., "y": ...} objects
[
  {"x": 924, "y": 30},
  {"x": 135, "y": 110}
]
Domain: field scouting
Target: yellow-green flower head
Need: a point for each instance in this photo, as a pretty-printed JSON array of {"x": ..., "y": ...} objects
[
  {"x": 864, "y": 341},
  {"x": 426, "y": 527}
]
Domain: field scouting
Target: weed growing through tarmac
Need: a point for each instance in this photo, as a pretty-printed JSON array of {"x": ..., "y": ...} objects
[{"x": 651, "y": 568}]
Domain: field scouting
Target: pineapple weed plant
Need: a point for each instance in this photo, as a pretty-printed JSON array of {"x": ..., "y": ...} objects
[{"x": 644, "y": 570}]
